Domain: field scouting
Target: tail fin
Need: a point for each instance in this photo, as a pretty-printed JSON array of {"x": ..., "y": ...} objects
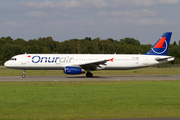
[{"x": 161, "y": 46}]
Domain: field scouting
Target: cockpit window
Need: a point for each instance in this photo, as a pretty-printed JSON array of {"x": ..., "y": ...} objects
[{"x": 13, "y": 59}]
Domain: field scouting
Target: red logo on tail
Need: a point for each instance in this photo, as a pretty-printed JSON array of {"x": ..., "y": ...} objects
[{"x": 160, "y": 43}]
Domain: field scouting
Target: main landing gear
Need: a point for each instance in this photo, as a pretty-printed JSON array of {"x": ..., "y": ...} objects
[
  {"x": 24, "y": 74},
  {"x": 89, "y": 74}
]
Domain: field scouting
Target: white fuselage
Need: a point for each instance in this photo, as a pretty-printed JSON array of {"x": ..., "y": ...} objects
[{"x": 60, "y": 61}]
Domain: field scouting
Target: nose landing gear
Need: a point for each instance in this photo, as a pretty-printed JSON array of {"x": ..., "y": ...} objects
[{"x": 24, "y": 74}]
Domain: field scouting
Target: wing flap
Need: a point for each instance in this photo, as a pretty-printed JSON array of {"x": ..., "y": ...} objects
[{"x": 93, "y": 65}]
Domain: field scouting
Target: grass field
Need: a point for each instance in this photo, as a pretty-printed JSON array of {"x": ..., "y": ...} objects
[
  {"x": 144, "y": 71},
  {"x": 89, "y": 100}
]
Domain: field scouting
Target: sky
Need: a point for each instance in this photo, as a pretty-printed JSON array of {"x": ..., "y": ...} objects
[{"x": 144, "y": 20}]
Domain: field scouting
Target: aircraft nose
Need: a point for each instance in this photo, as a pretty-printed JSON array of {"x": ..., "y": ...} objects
[{"x": 6, "y": 64}]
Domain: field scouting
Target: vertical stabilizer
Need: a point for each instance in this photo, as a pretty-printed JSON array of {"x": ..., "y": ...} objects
[{"x": 161, "y": 46}]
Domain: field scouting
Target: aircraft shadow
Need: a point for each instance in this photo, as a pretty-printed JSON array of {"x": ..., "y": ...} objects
[{"x": 83, "y": 77}]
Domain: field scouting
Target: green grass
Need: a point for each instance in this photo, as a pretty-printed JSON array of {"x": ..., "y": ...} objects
[
  {"x": 144, "y": 71},
  {"x": 89, "y": 100}
]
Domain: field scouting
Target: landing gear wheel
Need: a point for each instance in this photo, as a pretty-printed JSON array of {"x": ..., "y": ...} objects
[
  {"x": 89, "y": 74},
  {"x": 23, "y": 75}
]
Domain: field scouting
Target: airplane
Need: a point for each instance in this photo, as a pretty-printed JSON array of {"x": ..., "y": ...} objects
[{"x": 85, "y": 63}]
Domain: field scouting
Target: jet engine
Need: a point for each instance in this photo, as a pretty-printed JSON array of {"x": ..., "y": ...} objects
[{"x": 73, "y": 70}]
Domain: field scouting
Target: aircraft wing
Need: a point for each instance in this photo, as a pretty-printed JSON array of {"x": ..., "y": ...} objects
[{"x": 94, "y": 65}]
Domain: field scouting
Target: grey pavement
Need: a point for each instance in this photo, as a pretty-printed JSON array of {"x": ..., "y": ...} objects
[{"x": 95, "y": 78}]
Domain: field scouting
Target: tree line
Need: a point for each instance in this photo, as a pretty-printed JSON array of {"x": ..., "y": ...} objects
[{"x": 10, "y": 47}]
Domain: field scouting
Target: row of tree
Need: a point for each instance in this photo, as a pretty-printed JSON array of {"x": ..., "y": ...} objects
[{"x": 10, "y": 47}]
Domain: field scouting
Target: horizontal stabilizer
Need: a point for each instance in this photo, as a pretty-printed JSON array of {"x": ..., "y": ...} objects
[{"x": 166, "y": 58}]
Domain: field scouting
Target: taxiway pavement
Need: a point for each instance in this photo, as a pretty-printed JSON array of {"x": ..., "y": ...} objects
[{"x": 95, "y": 78}]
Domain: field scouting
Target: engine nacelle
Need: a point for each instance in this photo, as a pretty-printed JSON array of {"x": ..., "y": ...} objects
[{"x": 73, "y": 70}]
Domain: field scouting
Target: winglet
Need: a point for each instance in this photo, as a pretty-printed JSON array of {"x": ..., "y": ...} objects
[{"x": 111, "y": 59}]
